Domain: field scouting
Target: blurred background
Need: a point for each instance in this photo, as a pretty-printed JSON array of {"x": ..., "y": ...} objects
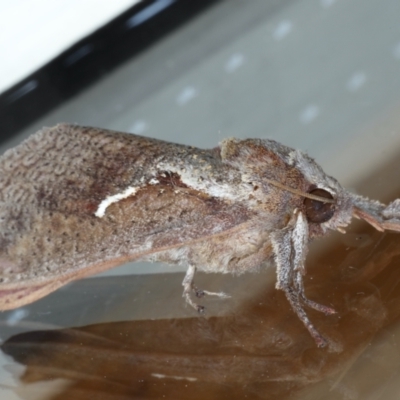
[{"x": 319, "y": 75}]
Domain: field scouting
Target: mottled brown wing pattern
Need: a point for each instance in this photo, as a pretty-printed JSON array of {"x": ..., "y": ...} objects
[{"x": 50, "y": 188}]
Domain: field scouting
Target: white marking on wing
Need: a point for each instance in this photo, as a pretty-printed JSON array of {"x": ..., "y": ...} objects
[{"x": 130, "y": 191}]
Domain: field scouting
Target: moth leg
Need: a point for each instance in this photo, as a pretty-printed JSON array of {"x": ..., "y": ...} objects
[
  {"x": 294, "y": 296},
  {"x": 289, "y": 246},
  {"x": 188, "y": 286},
  {"x": 310, "y": 303},
  {"x": 299, "y": 244},
  {"x": 299, "y": 240},
  {"x": 202, "y": 293},
  {"x": 294, "y": 299}
]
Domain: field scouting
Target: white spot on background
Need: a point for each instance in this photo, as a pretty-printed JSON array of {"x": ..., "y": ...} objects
[
  {"x": 282, "y": 30},
  {"x": 356, "y": 81},
  {"x": 309, "y": 114},
  {"x": 187, "y": 94},
  {"x": 17, "y": 316},
  {"x": 234, "y": 62},
  {"x": 396, "y": 51},
  {"x": 139, "y": 127},
  {"x": 327, "y": 3}
]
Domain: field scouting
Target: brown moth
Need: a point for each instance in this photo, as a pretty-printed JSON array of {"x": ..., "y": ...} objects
[{"x": 76, "y": 201}]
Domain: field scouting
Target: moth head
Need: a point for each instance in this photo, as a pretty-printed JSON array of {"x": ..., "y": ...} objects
[
  {"x": 334, "y": 207},
  {"x": 319, "y": 211},
  {"x": 328, "y": 208},
  {"x": 326, "y": 205}
]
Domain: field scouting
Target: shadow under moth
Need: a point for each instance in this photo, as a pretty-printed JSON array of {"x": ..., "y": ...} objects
[{"x": 75, "y": 201}]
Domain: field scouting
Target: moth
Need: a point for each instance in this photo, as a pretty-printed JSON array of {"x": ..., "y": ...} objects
[{"x": 75, "y": 201}]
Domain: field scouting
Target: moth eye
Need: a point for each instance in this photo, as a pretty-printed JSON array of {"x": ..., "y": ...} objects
[{"x": 317, "y": 211}]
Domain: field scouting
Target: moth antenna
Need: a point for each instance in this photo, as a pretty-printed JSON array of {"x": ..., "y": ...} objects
[
  {"x": 299, "y": 192},
  {"x": 368, "y": 217},
  {"x": 380, "y": 217}
]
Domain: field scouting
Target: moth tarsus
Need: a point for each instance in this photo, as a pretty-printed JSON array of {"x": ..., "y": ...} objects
[
  {"x": 200, "y": 309},
  {"x": 189, "y": 287},
  {"x": 76, "y": 201},
  {"x": 199, "y": 293}
]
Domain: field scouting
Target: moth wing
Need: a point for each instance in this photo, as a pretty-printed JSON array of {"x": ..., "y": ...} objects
[{"x": 51, "y": 186}]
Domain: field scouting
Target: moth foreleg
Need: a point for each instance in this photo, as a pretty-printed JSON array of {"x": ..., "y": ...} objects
[
  {"x": 288, "y": 246},
  {"x": 310, "y": 303},
  {"x": 294, "y": 299},
  {"x": 295, "y": 296}
]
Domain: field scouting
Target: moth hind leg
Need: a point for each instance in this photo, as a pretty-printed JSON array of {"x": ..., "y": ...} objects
[{"x": 189, "y": 287}]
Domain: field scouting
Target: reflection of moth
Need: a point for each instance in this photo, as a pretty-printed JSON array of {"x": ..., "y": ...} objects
[{"x": 76, "y": 201}]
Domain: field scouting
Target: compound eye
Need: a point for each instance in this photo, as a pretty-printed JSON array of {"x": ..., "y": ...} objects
[{"x": 317, "y": 211}]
